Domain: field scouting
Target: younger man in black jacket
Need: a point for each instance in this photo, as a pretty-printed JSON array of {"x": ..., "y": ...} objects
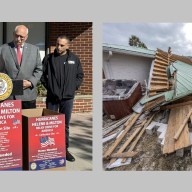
[{"x": 62, "y": 76}]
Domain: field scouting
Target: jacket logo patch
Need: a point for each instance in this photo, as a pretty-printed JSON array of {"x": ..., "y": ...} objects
[{"x": 71, "y": 62}]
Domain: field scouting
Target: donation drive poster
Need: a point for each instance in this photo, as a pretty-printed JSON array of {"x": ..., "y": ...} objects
[
  {"x": 10, "y": 135},
  {"x": 47, "y": 142}
]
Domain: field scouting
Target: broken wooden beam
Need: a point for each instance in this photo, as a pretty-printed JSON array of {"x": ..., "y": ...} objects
[
  {"x": 139, "y": 136},
  {"x": 115, "y": 125},
  {"x": 175, "y": 105},
  {"x": 131, "y": 121},
  {"x": 128, "y": 141},
  {"x": 154, "y": 103}
]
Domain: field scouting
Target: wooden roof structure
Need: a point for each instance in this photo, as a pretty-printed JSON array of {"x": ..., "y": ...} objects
[{"x": 159, "y": 81}]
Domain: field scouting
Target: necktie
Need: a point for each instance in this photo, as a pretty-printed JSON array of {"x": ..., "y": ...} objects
[{"x": 19, "y": 54}]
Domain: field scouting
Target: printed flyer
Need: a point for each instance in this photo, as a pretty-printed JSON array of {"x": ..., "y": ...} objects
[
  {"x": 46, "y": 142},
  {"x": 10, "y": 135}
]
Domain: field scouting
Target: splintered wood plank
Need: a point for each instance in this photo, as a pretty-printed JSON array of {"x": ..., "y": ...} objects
[
  {"x": 185, "y": 99},
  {"x": 161, "y": 63},
  {"x": 139, "y": 136},
  {"x": 160, "y": 70},
  {"x": 159, "y": 74},
  {"x": 152, "y": 93},
  {"x": 177, "y": 115},
  {"x": 164, "y": 55},
  {"x": 160, "y": 66},
  {"x": 160, "y": 82},
  {"x": 181, "y": 58},
  {"x": 128, "y": 141},
  {"x": 115, "y": 125},
  {"x": 159, "y": 58},
  {"x": 176, "y": 105},
  {"x": 159, "y": 78},
  {"x": 184, "y": 138},
  {"x": 131, "y": 121},
  {"x": 159, "y": 88},
  {"x": 169, "y": 143},
  {"x": 154, "y": 103}
]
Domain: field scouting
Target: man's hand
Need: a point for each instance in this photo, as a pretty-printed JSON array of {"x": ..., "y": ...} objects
[{"x": 26, "y": 84}]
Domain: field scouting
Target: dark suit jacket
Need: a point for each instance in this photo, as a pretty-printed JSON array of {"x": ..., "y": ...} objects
[{"x": 30, "y": 68}]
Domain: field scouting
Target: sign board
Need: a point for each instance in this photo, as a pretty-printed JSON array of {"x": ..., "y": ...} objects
[
  {"x": 45, "y": 133},
  {"x": 10, "y": 135}
]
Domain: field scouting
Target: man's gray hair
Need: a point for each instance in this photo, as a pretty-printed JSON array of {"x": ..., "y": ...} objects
[{"x": 22, "y": 26}]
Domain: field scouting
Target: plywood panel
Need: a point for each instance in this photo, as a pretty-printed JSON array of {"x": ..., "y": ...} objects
[
  {"x": 169, "y": 144},
  {"x": 184, "y": 139},
  {"x": 177, "y": 115}
]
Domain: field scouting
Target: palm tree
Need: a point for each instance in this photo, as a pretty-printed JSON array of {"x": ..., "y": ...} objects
[
  {"x": 135, "y": 41},
  {"x": 142, "y": 45}
]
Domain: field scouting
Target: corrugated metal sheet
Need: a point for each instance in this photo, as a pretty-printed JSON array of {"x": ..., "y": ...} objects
[
  {"x": 183, "y": 78},
  {"x": 158, "y": 81},
  {"x": 180, "y": 78}
]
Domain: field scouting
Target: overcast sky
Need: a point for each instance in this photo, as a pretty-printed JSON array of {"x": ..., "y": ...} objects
[{"x": 178, "y": 36}]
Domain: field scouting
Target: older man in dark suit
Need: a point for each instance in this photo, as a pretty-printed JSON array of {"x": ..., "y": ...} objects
[{"x": 21, "y": 60}]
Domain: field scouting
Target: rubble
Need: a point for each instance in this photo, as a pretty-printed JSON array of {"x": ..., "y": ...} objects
[{"x": 162, "y": 121}]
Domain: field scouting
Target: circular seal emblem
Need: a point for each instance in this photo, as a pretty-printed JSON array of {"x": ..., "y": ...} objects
[
  {"x": 33, "y": 166},
  {"x": 6, "y": 86}
]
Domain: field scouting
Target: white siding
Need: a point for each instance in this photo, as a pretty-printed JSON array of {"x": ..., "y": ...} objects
[{"x": 121, "y": 66}]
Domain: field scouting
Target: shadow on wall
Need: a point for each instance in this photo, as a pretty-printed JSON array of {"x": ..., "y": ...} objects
[
  {"x": 74, "y": 30},
  {"x": 71, "y": 29}
]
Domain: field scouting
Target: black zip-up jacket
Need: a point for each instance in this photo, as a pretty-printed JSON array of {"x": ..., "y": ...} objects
[{"x": 72, "y": 77}]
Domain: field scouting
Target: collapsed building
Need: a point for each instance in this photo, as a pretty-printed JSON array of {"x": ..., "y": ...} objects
[{"x": 163, "y": 107}]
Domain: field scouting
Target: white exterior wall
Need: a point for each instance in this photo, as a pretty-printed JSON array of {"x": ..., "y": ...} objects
[{"x": 121, "y": 66}]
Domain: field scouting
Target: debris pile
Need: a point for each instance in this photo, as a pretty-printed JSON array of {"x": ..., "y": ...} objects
[{"x": 164, "y": 112}]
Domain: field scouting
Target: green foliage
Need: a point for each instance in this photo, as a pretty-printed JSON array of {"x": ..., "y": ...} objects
[
  {"x": 135, "y": 41},
  {"x": 41, "y": 91}
]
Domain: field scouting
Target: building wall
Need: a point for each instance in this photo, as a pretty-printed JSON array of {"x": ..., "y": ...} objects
[
  {"x": 81, "y": 37},
  {"x": 82, "y": 103},
  {"x": 121, "y": 66}
]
